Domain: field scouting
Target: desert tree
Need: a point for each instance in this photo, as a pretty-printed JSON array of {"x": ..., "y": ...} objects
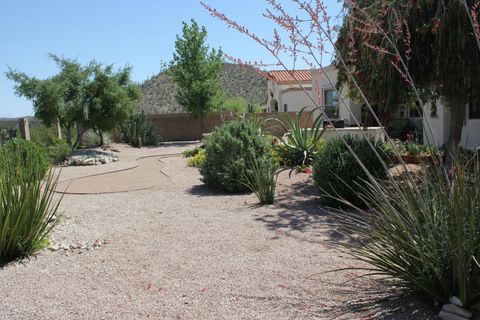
[
  {"x": 425, "y": 50},
  {"x": 195, "y": 70},
  {"x": 60, "y": 97},
  {"x": 110, "y": 99}
]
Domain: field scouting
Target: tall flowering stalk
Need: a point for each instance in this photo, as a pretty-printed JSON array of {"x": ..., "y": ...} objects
[{"x": 422, "y": 232}]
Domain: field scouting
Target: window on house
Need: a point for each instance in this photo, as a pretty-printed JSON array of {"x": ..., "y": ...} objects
[
  {"x": 330, "y": 101},
  {"x": 474, "y": 109},
  {"x": 285, "y": 107}
]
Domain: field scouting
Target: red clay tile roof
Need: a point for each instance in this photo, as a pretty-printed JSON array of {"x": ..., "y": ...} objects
[{"x": 284, "y": 76}]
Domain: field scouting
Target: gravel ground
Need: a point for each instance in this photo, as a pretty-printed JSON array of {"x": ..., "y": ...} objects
[{"x": 182, "y": 251}]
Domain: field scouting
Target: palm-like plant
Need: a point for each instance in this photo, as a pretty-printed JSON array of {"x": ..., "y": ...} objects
[{"x": 300, "y": 140}]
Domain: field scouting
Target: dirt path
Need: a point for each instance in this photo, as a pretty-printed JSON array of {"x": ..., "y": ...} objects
[
  {"x": 182, "y": 251},
  {"x": 146, "y": 174}
]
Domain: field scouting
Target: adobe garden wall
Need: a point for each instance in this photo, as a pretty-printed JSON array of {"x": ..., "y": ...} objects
[{"x": 183, "y": 127}]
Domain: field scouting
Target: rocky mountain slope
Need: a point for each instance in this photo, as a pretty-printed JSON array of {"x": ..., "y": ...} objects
[{"x": 237, "y": 81}]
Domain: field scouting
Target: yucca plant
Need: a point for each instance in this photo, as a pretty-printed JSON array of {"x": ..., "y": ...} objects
[
  {"x": 27, "y": 205},
  {"x": 425, "y": 234},
  {"x": 262, "y": 179},
  {"x": 137, "y": 132},
  {"x": 300, "y": 140}
]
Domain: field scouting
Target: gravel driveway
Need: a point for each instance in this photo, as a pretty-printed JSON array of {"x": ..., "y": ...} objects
[{"x": 182, "y": 251}]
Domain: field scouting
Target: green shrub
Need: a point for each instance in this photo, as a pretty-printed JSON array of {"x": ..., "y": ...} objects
[
  {"x": 227, "y": 151},
  {"x": 27, "y": 157},
  {"x": 59, "y": 150},
  {"x": 239, "y": 105},
  {"x": 262, "y": 179},
  {"x": 137, "y": 132},
  {"x": 191, "y": 152},
  {"x": 197, "y": 160},
  {"x": 338, "y": 175},
  {"x": 423, "y": 233},
  {"x": 26, "y": 201}
]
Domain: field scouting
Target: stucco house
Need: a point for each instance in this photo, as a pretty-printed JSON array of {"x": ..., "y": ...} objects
[{"x": 285, "y": 94}]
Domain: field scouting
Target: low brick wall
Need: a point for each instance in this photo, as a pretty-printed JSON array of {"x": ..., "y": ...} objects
[{"x": 183, "y": 127}]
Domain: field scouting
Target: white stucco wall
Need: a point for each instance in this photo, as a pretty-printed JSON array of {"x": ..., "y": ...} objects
[
  {"x": 441, "y": 125},
  {"x": 437, "y": 124},
  {"x": 471, "y": 133},
  {"x": 290, "y": 94},
  {"x": 326, "y": 79}
]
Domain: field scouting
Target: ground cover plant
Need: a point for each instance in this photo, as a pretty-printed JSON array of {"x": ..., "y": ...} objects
[
  {"x": 228, "y": 151},
  {"x": 197, "y": 159},
  {"x": 191, "y": 152},
  {"x": 27, "y": 206}
]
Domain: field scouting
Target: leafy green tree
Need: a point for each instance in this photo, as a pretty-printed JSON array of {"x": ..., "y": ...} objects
[
  {"x": 58, "y": 97},
  {"x": 110, "y": 99},
  {"x": 434, "y": 39},
  {"x": 195, "y": 69}
]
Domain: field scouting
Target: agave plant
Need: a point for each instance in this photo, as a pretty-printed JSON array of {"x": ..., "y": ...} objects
[{"x": 301, "y": 141}]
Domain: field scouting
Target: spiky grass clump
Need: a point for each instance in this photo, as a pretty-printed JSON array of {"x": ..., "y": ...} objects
[
  {"x": 423, "y": 232},
  {"x": 27, "y": 205},
  {"x": 262, "y": 179}
]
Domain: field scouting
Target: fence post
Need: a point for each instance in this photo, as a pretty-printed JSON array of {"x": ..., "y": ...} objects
[
  {"x": 58, "y": 129},
  {"x": 24, "y": 128}
]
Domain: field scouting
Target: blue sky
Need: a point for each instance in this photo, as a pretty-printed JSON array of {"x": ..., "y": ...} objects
[{"x": 140, "y": 33}]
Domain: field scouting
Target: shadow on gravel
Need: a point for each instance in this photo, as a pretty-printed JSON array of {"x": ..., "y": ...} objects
[
  {"x": 363, "y": 300},
  {"x": 202, "y": 190},
  {"x": 298, "y": 208}
]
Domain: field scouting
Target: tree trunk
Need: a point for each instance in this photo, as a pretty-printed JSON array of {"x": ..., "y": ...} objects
[
  {"x": 201, "y": 127},
  {"x": 457, "y": 117},
  {"x": 100, "y": 134},
  {"x": 68, "y": 135}
]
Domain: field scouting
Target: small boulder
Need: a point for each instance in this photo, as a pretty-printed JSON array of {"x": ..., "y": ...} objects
[{"x": 451, "y": 308}]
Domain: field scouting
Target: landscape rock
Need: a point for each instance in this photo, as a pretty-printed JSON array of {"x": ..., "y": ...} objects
[
  {"x": 456, "y": 301},
  {"x": 90, "y": 158},
  {"x": 54, "y": 247},
  {"x": 450, "y": 316},
  {"x": 451, "y": 308}
]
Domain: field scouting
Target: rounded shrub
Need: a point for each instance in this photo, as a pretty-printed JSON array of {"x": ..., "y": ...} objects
[
  {"x": 59, "y": 150},
  {"x": 229, "y": 151},
  {"x": 30, "y": 159},
  {"x": 338, "y": 175}
]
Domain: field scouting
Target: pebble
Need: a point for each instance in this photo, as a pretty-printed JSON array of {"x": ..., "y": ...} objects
[{"x": 77, "y": 246}]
